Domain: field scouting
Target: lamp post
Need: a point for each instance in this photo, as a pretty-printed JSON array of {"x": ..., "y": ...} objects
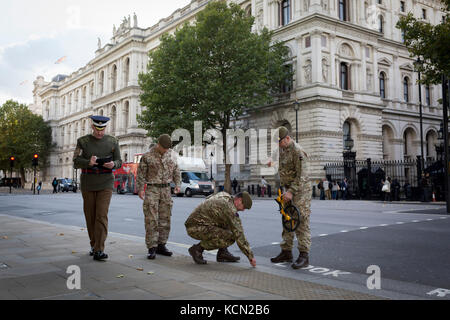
[
  {"x": 445, "y": 91},
  {"x": 296, "y": 107},
  {"x": 419, "y": 64},
  {"x": 349, "y": 163}
]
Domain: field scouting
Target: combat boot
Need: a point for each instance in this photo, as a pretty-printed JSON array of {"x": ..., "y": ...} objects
[
  {"x": 162, "y": 249},
  {"x": 223, "y": 255},
  {"x": 151, "y": 253},
  {"x": 100, "y": 255},
  {"x": 284, "y": 256},
  {"x": 302, "y": 261},
  {"x": 196, "y": 252}
]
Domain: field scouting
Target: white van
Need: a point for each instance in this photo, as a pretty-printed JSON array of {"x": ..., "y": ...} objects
[{"x": 194, "y": 177}]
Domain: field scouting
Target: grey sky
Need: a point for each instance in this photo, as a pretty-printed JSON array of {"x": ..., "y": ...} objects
[{"x": 35, "y": 34}]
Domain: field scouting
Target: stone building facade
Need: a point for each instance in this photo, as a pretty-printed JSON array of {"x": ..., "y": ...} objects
[{"x": 353, "y": 78}]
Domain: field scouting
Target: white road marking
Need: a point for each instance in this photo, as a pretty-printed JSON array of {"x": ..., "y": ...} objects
[
  {"x": 275, "y": 243},
  {"x": 344, "y": 231},
  {"x": 415, "y": 221},
  {"x": 323, "y": 235},
  {"x": 429, "y": 219},
  {"x": 399, "y": 222},
  {"x": 363, "y": 228},
  {"x": 383, "y": 225}
]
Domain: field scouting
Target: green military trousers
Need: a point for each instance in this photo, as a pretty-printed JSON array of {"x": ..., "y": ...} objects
[
  {"x": 96, "y": 206},
  {"x": 211, "y": 237},
  {"x": 157, "y": 212},
  {"x": 303, "y": 233}
]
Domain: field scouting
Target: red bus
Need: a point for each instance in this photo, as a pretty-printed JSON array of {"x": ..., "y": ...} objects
[{"x": 125, "y": 176}]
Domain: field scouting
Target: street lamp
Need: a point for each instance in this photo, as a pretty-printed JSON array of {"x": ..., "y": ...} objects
[
  {"x": 296, "y": 107},
  {"x": 418, "y": 65}
]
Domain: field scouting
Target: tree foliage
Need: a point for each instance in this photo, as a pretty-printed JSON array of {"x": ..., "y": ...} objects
[
  {"x": 211, "y": 70},
  {"x": 429, "y": 42},
  {"x": 22, "y": 134}
]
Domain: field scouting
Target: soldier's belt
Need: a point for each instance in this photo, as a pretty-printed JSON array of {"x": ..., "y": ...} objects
[
  {"x": 96, "y": 171},
  {"x": 159, "y": 185}
]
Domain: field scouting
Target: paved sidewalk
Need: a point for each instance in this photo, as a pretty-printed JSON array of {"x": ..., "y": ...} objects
[{"x": 34, "y": 257}]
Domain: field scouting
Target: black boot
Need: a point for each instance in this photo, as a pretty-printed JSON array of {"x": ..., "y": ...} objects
[
  {"x": 100, "y": 255},
  {"x": 163, "y": 250},
  {"x": 302, "y": 261},
  {"x": 284, "y": 256},
  {"x": 91, "y": 253},
  {"x": 196, "y": 252},
  {"x": 151, "y": 253},
  {"x": 223, "y": 255}
]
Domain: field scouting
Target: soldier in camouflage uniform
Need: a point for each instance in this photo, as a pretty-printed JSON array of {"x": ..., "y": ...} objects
[
  {"x": 97, "y": 154},
  {"x": 217, "y": 225},
  {"x": 157, "y": 169},
  {"x": 297, "y": 188}
]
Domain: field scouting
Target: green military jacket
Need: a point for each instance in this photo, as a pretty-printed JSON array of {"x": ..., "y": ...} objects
[
  {"x": 155, "y": 168},
  {"x": 293, "y": 169},
  {"x": 88, "y": 146},
  {"x": 219, "y": 210}
]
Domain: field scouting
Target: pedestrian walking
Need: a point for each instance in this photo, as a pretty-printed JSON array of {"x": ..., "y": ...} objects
[
  {"x": 322, "y": 193},
  {"x": 296, "y": 187},
  {"x": 55, "y": 185},
  {"x": 39, "y": 187},
  {"x": 216, "y": 223},
  {"x": 334, "y": 190},
  {"x": 344, "y": 188},
  {"x": 263, "y": 186},
  {"x": 234, "y": 184},
  {"x": 326, "y": 189},
  {"x": 157, "y": 169},
  {"x": 386, "y": 189},
  {"x": 97, "y": 154}
]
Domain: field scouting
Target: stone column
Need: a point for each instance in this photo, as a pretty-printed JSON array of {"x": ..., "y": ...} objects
[
  {"x": 364, "y": 67},
  {"x": 376, "y": 84},
  {"x": 265, "y": 12},
  {"x": 316, "y": 56},
  {"x": 333, "y": 59},
  {"x": 397, "y": 81},
  {"x": 299, "y": 71}
]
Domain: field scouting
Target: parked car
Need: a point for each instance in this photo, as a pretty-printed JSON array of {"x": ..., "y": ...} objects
[
  {"x": 14, "y": 182},
  {"x": 66, "y": 185}
]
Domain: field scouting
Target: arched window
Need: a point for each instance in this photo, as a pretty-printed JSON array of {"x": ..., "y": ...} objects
[
  {"x": 83, "y": 100},
  {"x": 344, "y": 72},
  {"x": 346, "y": 133},
  {"x": 343, "y": 16},
  {"x": 114, "y": 78},
  {"x": 427, "y": 95},
  {"x": 380, "y": 24},
  {"x": 101, "y": 82},
  {"x": 285, "y": 12},
  {"x": 127, "y": 71},
  {"x": 406, "y": 89},
  {"x": 382, "y": 85}
]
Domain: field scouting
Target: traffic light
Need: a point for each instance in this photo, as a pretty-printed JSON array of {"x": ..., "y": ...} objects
[
  {"x": 11, "y": 161},
  {"x": 35, "y": 159}
]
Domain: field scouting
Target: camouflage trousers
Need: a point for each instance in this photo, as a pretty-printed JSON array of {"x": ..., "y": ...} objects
[
  {"x": 303, "y": 232},
  {"x": 211, "y": 237},
  {"x": 157, "y": 211}
]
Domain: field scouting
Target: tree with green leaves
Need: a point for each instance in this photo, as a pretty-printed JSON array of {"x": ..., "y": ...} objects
[
  {"x": 429, "y": 42},
  {"x": 211, "y": 70},
  {"x": 22, "y": 134}
]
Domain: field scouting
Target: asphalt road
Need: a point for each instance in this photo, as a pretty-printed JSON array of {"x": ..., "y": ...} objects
[{"x": 410, "y": 243}]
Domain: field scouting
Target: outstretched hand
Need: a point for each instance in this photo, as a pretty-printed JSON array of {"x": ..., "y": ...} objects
[{"x": 253, "y": 262}]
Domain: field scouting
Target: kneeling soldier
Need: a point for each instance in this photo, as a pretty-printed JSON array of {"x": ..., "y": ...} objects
[{"x": 217, "y": 225}]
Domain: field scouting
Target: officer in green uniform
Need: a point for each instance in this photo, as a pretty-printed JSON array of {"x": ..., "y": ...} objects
[
  {"x": 217, "y": 225},
  {"x": 295, "y": 182},
  {"x": 97, "y": 155}
]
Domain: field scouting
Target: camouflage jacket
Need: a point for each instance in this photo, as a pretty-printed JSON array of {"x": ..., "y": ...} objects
[
  {"x": 88, "y": 146},
  {"x": 219, "y": 210},
  {"x": 293, "y": 169},
  {"x": 158, "y": 169}
]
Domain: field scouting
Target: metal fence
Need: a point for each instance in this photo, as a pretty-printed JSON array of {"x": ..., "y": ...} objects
[{"x": 364, "y": 178}]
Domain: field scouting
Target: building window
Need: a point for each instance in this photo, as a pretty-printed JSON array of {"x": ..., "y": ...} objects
[
  {"x": 380, "y": 24},
  {"x": 406, "y": 89},
  {"x": 288, "y": 85},
  {"x": 402, "y": 6},
  {"x": 114, "y": 78},
  {"x": 102, "y": 79},
  {"x": 346, "y": 133},
  {"x": 427, "y": 95},
  {"x": 343, "y": 10},
  {"x": 424, "y": 13},
  {"x": 345, "y": 77},
  {"x": 402, "y": 36},
  {"x": 382, "y": 85},
  {"x": 307, "y": 42},
  {"x": 285, "y": 12},
  {"x": 380, "y": 1}
]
